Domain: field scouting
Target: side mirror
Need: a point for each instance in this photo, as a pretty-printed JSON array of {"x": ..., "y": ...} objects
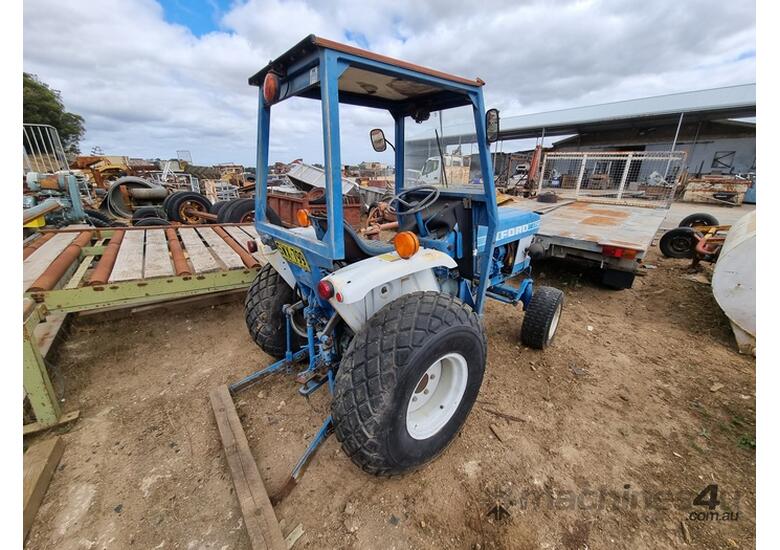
[
  {"x": 492, "y": 125},
  {"x": 378, "y": 141}
]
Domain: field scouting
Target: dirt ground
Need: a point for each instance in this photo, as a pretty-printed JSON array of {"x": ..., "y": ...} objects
[{"x": 640, "y": 404}]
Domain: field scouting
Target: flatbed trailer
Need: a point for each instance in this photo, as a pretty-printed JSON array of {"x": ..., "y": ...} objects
[
  {"x": 608, "y": 207},
  {"x": 83, "y": 268},
  {"x": 583, "y": 231}
]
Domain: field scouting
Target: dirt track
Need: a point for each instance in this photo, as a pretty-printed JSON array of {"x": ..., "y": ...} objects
[{"x": 623, "y": 423}]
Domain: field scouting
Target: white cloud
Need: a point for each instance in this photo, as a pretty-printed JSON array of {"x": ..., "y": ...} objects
[{"x": 147, "y": 87}]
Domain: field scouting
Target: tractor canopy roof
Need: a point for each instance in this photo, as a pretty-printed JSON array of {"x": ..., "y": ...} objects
[{"x": 365, "y": 78}]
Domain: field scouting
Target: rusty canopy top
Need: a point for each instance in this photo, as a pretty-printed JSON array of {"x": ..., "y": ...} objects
[{"x": 363, "y": 81}]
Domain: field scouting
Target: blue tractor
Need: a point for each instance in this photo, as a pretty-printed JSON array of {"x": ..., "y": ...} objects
[{"x": 393, "y": 329}]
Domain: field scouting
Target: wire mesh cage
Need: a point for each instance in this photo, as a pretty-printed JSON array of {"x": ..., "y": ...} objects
[{"x": 632, "y": 177}]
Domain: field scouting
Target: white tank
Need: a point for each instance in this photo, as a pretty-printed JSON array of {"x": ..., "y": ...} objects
[{"x": 734, "y": 281}]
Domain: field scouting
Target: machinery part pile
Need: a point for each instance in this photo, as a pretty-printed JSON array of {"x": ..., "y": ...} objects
[{"x": 119, "y": 197}]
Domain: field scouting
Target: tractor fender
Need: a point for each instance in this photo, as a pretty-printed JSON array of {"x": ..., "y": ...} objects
[
  {"x": 364, "y": 287},
  {"x": 273, "y": 257}
]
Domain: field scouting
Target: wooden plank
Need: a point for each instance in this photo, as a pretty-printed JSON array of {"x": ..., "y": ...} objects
[
  {"x": 129, "y": 263},
  {"x": 293, "y": 536},
  {"x": 46, "y": 333},
  {"x": 241, "y": 238},
  {"x": 37, "y": 427},
  {"x": 250, "y": 229},
  {"x": 40, "y": 460},
  {"x": 259, "y": 516},
  {"x": 157, "y": 261},
  {"x": 221, "y": 249},
  {"x": 39, "y": 260},
  {"x": 200, "y": 257}
]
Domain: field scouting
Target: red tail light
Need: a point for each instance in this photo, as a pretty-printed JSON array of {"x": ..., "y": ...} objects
[
  {"x": 618, "y": 252},
  {"x": 325, "y": 290}
]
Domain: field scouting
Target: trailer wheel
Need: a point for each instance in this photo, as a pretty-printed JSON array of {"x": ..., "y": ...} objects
[
  {"x": 180, "y": 202},
  {"x": 541, "y": 317},
  {"x": 617, "y": 279},
  {"x": 407, "y": 382},
  {"x": 700, "y": 218},
  {"x": 263, "y": 313},
  {"x": 678, "y": 242}
]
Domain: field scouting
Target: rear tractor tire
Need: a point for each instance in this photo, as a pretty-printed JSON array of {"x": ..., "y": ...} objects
[
  {"x": 263, "y": 313},
  {"x": 407, "y": 382},
  {"x": 541, "y": 317}
]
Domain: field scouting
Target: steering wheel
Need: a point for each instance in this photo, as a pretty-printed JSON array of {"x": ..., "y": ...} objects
[{"x": 413, "y": 206}]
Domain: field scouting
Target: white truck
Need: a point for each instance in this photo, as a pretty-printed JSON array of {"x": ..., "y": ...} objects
[{"x": 456, "y": 168}]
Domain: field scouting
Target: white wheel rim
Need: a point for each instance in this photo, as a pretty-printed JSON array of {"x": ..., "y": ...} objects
[
  {"x": 554, "y": 323},
  {"x": 436, "y": 396}
]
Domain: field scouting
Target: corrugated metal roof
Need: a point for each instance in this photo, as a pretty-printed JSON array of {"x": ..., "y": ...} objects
[{"x": 727, "y": 102}]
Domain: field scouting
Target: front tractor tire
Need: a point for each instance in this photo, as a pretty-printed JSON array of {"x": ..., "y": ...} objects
[
  {"x": 263, "y": 313},
  {"x": 407, "y": 382},
  {"x": 541, "y": 317}
]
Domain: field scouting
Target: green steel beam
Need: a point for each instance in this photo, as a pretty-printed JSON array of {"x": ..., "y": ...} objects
[
  {"x": 37, "y": 384},
  {"x": 92, "y": 251},
  {"x": 132, "y": 293}
]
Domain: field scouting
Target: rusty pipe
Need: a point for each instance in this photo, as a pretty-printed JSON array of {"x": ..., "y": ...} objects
[
  {"x": 179, "y": 260},
  {"x": 200, "y": 214},
  {"x": 47, "y": 206},
  {"x": 106, "y": 263},
  {"x": 51, "y": 276},
  {"x": 36, "y": 244},
  {"x": 147, "y": 194},
  {"x": 249, "y": 260}
]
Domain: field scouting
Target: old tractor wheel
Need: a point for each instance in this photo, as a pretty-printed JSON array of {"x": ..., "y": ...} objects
[
  {"x": 263, "y": 313},
  {"x": 237, "y": 211},
  {"x": 148, "y": 212},
  {"x": 678, "y": 243},
  {"x": 408, "y": 381},
  {"x": 183, "y": 207},
  {"x": 541, "y": 317},
  {"x": 151, "y": 222},
  {"x": 217, "y": 207}
]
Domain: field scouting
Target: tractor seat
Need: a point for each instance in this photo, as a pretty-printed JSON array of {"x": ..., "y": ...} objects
[{"x": 356, "y": 248}]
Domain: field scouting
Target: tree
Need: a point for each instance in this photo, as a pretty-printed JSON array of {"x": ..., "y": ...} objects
[{"x": 42, "y": 105}]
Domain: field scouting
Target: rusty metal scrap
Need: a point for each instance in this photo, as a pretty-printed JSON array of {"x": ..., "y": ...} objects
[
  {"x": 106, "y": 263},
  {"x": 36, "y": 244},
  {"x": 177, "y": 254},
  {"x": 49, "y": 278},
  {"x": 249, "y": 260}
]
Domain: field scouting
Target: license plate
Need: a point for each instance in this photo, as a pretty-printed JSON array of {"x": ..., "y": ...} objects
[{"x": 293, "y": 255}]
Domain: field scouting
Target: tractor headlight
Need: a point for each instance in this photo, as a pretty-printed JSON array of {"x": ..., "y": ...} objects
[{"x": 271, "y": 88}]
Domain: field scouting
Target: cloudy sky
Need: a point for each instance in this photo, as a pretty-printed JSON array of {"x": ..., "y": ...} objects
[{"x": 153, "y": 77}]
